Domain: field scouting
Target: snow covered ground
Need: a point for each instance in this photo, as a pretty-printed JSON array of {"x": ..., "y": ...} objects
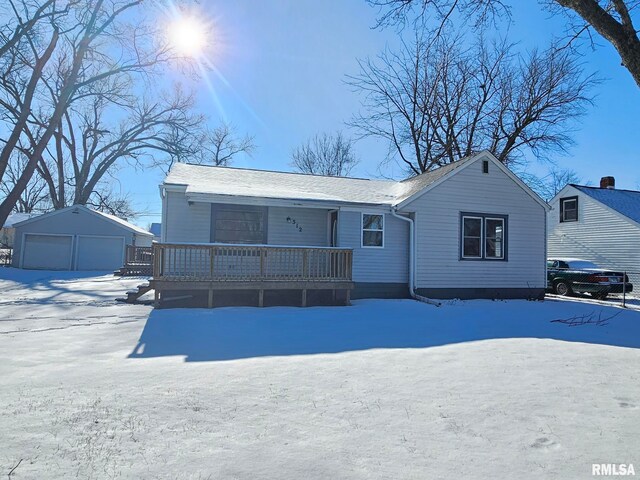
[{"x": 384, "y": 389}]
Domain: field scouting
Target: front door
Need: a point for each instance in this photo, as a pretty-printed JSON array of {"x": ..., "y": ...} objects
[{"x": 333, "y": 222}]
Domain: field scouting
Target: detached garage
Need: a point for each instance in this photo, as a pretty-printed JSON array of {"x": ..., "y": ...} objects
[{"x": 75, "y": 238}]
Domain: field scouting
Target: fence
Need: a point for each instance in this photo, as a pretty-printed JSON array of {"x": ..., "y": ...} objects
[{"x": 6, "y": 254}]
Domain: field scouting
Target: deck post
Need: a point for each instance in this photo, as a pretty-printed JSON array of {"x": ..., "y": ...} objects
[
  {"x": 261, "y": 298},
  {"x": 210, "y": 299},
  {"x": 304, "y": 297},
  {"x": 348, "y": 300},
  {"x": 156, "y": 297}
]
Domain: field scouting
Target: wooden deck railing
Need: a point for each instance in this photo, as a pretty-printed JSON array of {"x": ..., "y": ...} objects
[
  {"x": 222, "y": 263},
  {"x": 139, "y": 255}
]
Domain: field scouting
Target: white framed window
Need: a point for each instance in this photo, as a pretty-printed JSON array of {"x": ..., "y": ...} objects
[
  {"x": 483, "y": 236},
  {"x": 372, "y": 230},
  {"x": 569, "y": 209},
  {"x": 494, "y": 238},
  {"x": 471, "y": 237}
]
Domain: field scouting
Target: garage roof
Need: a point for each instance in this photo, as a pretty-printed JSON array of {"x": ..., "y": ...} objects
[{"x": 111, "y": 218}]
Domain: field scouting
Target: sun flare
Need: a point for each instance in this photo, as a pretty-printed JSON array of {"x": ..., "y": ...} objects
[{"x": 188, "y": 36}]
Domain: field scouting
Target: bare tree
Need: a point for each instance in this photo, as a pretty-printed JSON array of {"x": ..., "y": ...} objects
[
  {"x": 218, "y": 146},
  {"x": 89, "y": 145},
  {"x": 35, "y": 197},
  {"x": 613, "y": 20},
  {"x": 87, "y": 44},
  {"x": 108, "y": 201},
  {"x": 436, "y": 102},
  {"x": 325, "y": 154},
  {"x": 549, "y": 185}
]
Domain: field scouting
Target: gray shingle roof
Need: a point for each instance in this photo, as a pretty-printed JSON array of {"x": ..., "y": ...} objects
[
  {"x": 200, "y": 179},
  {"x": 625, "y": 202}
]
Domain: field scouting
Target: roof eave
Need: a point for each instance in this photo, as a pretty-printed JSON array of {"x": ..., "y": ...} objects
[{"x": 203, "y": 197}]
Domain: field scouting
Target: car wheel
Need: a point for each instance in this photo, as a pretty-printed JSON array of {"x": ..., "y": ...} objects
[{"x": 563, "y": 289}]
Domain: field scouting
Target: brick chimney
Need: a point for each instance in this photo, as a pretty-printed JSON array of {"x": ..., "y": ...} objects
[{"x": 608, "y": 182}]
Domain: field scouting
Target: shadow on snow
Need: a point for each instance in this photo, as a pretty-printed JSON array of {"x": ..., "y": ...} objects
[
  {"x": 52, "y": 284},
  {"x": 235, "y": 333}
]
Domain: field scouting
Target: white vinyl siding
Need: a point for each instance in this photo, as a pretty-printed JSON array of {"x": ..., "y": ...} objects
[
  {"x": 376, "y": 265},
  {"x": 438, "y": 239},
  {"x": 600, "y": 235},
  {"x": 186, "y": 222},
  {"x": 298, "y": 226}
]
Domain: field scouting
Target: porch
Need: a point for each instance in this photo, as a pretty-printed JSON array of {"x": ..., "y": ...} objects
[{"x": 179, "y": 270}]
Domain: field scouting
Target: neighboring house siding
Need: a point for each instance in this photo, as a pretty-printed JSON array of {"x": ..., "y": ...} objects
[
  {"x": 600, "y": 235},
  {"x": 376, "y": 265},
  {"x": 438, "y": 233},
  {"x": 184, "y": 222},
  {"x": 312, "y": 221}
]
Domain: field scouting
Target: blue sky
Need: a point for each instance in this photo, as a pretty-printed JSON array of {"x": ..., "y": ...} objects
[{"x": 282, "y": 66}]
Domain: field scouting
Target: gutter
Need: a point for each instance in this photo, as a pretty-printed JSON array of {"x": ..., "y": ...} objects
[{"x": 412, "y": 260}]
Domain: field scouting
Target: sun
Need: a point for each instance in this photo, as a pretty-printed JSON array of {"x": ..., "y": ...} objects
[{"x": 188, "y": 36}]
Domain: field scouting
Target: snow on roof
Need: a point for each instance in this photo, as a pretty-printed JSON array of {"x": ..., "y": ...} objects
[
  {"x": 122, "y": 222},
  {"x": 111, "y": 218},
  {"x": 625, "y": 202},
  {"x": 200, "y": 179},
  {"x": 14, "y": 218}
]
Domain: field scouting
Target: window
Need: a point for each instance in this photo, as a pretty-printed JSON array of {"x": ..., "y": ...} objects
[
  {"x": 494, "y": 238},
  {"x": 372, "y": 230},
  {"x": 569, "y": 209},
  {"x": 485, "y": 166},
  {"x": 472, "y": 237},
  {"x": 483, "y": 237},
  {"x": 235, "y": 224}
]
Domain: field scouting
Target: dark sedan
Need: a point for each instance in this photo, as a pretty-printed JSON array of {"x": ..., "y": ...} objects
[{"x": 568, "y": 276}]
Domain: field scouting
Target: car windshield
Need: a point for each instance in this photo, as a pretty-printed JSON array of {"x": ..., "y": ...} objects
[{"x": 582, "y": 265}]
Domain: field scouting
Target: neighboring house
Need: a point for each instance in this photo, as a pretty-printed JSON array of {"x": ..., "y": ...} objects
[
  {"x": 601, "y": 225},
  {"x": 156, "y": 230},
  {"x": 75, "y": 238},
  {"x": 471, "y": 229},
  {"x": 7, "y": 232}
]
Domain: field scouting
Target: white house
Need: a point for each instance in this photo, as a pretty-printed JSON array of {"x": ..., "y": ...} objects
[
  {"x": 599, "y": 224},
  {"x": 75, "y": 238},
  {"x": 471, "y": 229}
]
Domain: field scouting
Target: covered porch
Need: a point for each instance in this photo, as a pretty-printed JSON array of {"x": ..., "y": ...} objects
[{"x": 183, "y": 270}]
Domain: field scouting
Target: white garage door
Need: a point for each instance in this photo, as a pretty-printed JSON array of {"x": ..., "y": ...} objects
[
  {"x": 100, "y": 253},
  {"x": 47, "y": 252}
]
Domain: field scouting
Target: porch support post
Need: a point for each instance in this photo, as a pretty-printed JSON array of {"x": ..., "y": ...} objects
[
  {"x": 304, "y": 297},
  {"x": 261, "y": 298},
  {"x": 156, "y": 297},
  {"x": 210, "y": 299},
  {"x": 348, "y": 300}
]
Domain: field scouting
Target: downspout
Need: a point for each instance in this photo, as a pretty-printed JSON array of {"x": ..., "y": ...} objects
[
  {"x": 412, "y": 261},
  {"x": 163, "y": 216}
]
